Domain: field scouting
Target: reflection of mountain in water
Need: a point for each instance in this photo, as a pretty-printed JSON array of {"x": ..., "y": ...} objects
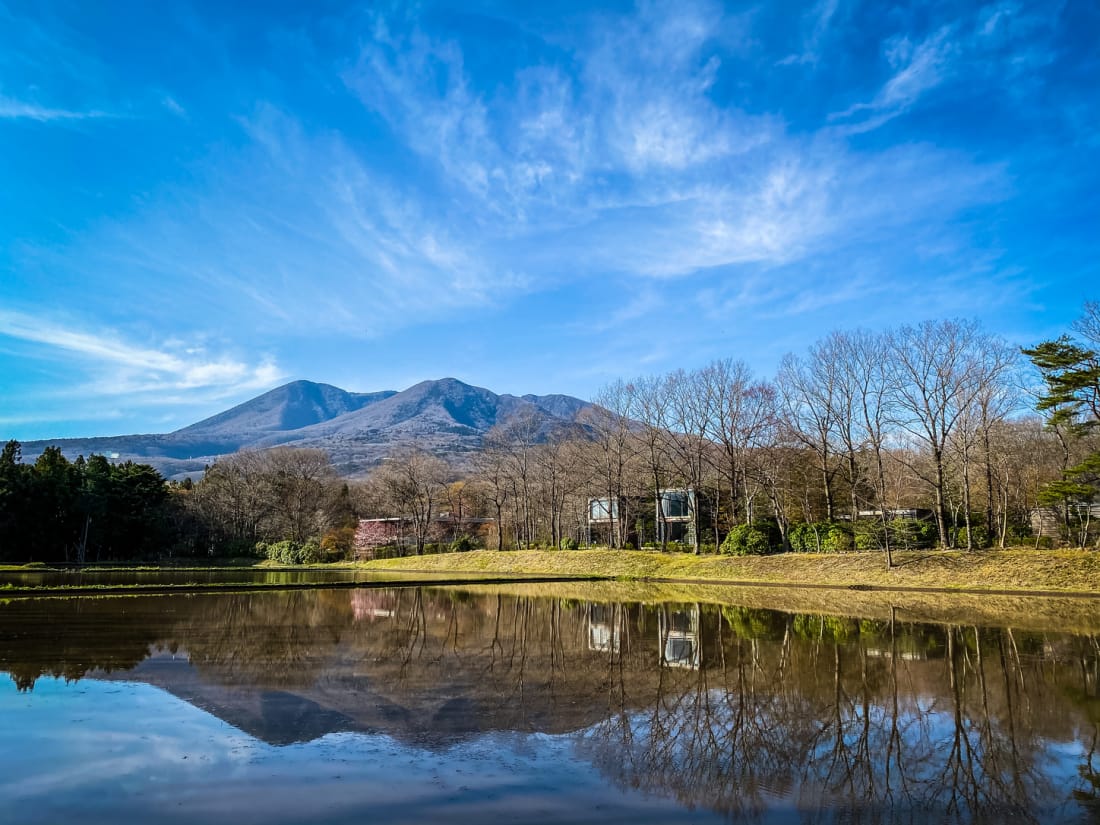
[{"x": 725, "y": 708}]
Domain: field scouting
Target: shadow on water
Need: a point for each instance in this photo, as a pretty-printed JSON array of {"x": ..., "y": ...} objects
[{"x": 732, "y": 709}]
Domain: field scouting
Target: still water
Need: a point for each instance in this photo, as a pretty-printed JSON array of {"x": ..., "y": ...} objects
[
  {"x": 468, "y": 705},
  {"x": 91, "y": 577}
]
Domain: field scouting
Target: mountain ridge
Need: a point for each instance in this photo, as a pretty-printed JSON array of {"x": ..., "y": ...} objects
[{"x": 445, "y": 416}]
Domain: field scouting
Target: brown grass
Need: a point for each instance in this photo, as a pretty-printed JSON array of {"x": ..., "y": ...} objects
[
  {"x": 1034, "y": 613},
  {"x": 1013, "y": 571}
]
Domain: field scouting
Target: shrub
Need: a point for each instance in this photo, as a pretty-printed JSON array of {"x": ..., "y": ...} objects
[
  {"x": 868, "y": 535},
  {"x": 837, "y": 538},
  {"x": 337, "y": 544},
  {"x": 912, "y": 533},
  {"x": 745, "y": 540},
  {"x": 866, "y": 541},
  {"x": 979, "y": 533},
  {"x": 808, "y": 537},
  {"x": 462, "y": 544},
  {"x": 568, "y": 543},
  {"x": 310, "y": 552},
  {"x": 798, "y": 536},
  {"x": 755, "y": 623},
  {"x": 284, "y": 552}
]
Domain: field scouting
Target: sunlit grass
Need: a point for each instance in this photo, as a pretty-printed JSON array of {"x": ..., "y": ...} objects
[{"x": 990, "y": 570}]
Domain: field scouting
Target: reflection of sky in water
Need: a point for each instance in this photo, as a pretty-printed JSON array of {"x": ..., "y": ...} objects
[
  {"x": 125, "y": 752},
  {"x": 743, "y": 773}
]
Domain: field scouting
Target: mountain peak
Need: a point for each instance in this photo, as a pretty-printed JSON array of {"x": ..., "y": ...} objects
[
  {"x": 446, "y": 416},
  {"x": 289, "y": 407}
]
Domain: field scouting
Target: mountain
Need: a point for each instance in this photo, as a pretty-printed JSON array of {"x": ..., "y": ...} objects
[
  {"x": 289, "y": 407},
  {"x": 447, "y": 417}
]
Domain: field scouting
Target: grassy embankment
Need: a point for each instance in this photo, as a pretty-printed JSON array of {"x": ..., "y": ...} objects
[
  {"x": 1012, "y": 573},
  {"x": 1003, "y": 571}
]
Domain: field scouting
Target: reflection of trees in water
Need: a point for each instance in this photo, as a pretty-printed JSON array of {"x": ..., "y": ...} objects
[
  {"x": 278, "y": 642},
  {"x": 66, "y": 638},
  {"x": 726, "y": 708},
  {"x": 276, "y": 639},
  {"x": 866, "y": 725}
]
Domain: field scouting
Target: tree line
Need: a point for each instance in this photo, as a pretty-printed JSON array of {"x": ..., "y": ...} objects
[
  {"x": 916, "y": 436},
  {"x": 934, "y": 434}
]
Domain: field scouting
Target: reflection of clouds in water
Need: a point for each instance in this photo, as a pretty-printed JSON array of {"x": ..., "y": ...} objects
[
  {"x": 765, "y": 713},
  {"x": 72, "y": 740},
  {"x": 95, "y": 757}
]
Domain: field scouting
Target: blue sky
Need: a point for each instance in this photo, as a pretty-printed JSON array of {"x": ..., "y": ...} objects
[{"x": 200, "y": 201}]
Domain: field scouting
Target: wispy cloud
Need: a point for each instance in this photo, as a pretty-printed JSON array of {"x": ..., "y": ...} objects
[
  {"x": 21, "y": 110},
  {"x": 917, "y": 69},
  {"x": 122, "y": 367},
  {"x": 614, "y": 154},
  {"x": 816, "y": 24}
]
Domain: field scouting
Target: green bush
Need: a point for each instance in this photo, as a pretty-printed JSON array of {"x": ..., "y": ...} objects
[
  {"x": 912, "y": 534},
  {"x": 824, "y": 628},
  {"x": 800, "y": 537},
  {"x": 867, "y": 534},
  {"x": 837, "y": 538},
  {"x": 866, "y": 541},
  {"x": 462, "y": 544},
  {"x": 310, "y": 552},
  {"x": 568, "y": 543},
  {"x": 809, "y": 537},
  {"x": 980, "y": 534},
  {"x": 284, "y": 552},
  {"x": 745, "y": 540}
]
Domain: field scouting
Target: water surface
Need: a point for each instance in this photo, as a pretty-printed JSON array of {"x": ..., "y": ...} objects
[
  {"x": 442, "y": 704},
  {"x": 91, "y": 577}
]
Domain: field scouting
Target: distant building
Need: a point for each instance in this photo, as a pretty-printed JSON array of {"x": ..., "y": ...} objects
[
  {"x": 1084, "y": 520},
  {"x": 674, "y": 511},
  {"x": 897, "y": 513},
  {"x": 375, "y": 535}
]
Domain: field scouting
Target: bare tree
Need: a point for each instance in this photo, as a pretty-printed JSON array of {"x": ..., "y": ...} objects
[
  {"x": 807, "y": 389},
  {"x": 415, "y": 482},
  {"x": 305, "y": 488},
  {"x": 935, "y": 367},
  {"x": 862, "y": 356},
  {"x": 741, "y": 419},
  {"x": 610, "y": 425},
  {"x": 491, "y": 464},
  {"x": 690, "y": 417},
  {"x": 651, "y": 398}
]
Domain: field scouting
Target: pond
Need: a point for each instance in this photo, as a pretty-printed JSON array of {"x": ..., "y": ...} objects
[
  {"x": 91, "y": 577},
  {"x": 535, "y": 705}
]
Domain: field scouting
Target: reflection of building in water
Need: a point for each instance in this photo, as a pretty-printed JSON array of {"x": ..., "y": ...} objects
[
  {"x": 372, "y": 604},
  {"x": 603, "y": 630},
  {"x": 679, "y": 636},
  {"x": 905, "y": 655}
]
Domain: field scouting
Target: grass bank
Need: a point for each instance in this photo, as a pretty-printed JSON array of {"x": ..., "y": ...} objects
[
  {"x": 1042, "y": 614},
  {"x": 988, "y": 571}
]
